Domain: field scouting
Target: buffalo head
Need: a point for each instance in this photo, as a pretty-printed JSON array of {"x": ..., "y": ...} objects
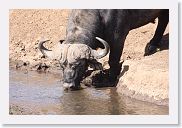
[{"x": 75, "y": 59}]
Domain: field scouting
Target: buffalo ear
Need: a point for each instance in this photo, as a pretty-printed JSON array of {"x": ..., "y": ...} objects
[{"x": 61, "y": 41}]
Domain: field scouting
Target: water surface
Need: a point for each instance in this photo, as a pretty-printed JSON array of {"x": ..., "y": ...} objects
[{"x": 42, "y": 93}]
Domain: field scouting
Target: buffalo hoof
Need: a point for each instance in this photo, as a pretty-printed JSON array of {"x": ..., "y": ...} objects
[
  {"x": 151, "y": 49},
  {"x": 102, "y": 79}
]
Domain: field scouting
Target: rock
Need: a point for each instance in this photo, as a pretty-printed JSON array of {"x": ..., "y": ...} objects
[{"x": 146, "y": 79}]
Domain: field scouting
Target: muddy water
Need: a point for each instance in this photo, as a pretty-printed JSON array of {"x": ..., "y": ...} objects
[{"x": 42, "y": 93}]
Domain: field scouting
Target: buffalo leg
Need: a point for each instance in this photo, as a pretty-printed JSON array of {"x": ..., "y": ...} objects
[
  {"x": 116, "y": 49},
  {"x": 154, "y": 43}
]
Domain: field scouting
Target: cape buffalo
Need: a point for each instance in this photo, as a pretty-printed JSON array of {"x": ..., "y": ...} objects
[{"x": 89, "y": 29}]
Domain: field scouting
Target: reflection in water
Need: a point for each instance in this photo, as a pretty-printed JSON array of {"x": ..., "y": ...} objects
[{"x": 41, "y": 93}]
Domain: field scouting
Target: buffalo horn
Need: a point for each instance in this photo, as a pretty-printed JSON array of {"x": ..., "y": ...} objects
[
  {"x": 103, "y": 52},
  {"x": 46, "y": 52}
]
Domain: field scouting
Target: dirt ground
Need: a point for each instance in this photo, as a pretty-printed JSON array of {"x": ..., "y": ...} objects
[{"x": 144, "y": 78}]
